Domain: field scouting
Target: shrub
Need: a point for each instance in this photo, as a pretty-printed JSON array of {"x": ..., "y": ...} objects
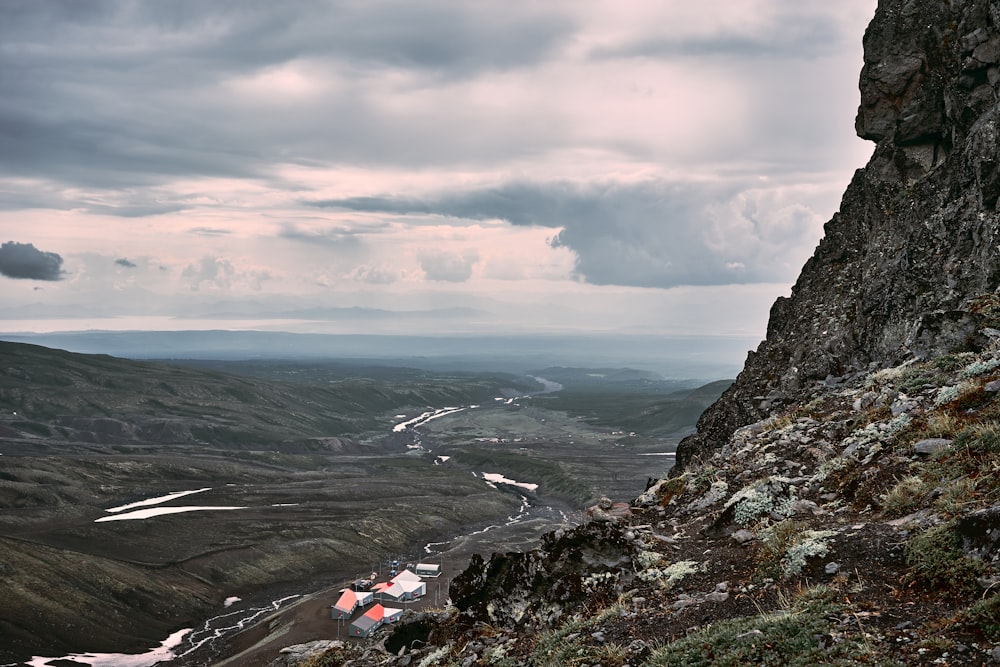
[
  {"x": 956, "y": 496},
  {"x": 935, "y": 560},
  {"x": 983, "y": 618},
  {"x": 980, "y": 367}
]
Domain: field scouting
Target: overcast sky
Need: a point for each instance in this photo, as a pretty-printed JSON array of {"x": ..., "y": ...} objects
[{"x": 642, "y": 166}]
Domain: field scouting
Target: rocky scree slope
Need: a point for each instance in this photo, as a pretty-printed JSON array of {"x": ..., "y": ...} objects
[{"x": 840, "y": 504}]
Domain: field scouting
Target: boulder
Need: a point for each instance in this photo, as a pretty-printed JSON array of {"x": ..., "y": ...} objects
[{"x": 930, "y": 446}]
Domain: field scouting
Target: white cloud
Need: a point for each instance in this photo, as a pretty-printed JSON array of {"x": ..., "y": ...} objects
[{"x": 448, "y": 265}]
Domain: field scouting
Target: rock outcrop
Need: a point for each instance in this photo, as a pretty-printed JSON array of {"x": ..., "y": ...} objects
[{"x": 904, "y": 266}]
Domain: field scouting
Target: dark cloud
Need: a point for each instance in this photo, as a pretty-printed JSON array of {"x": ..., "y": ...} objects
[
  {"x": 210, "y": 231},
  {"x": 24, "y": 260},
  {"x": 124, "y": 262},
  {"x": 651, "y": 234},
  {"x": 121, "y": 94},
  {"x": 517, "y": 203}
]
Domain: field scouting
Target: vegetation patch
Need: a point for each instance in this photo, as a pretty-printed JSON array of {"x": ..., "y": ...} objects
[
  {"x": 800, "y": 635},
  {"x": 787, "y": 546},
  {"x": 572, "y": 644},
  {"x": 982, "y": 618},
  {"x": 936, "y": 561}
]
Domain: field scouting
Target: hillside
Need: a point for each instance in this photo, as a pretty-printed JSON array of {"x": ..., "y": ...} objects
[
  {"x": 301, "y": 479},
  {"x": 63, "y": 396},
  {"x": 840, "y": 503}
]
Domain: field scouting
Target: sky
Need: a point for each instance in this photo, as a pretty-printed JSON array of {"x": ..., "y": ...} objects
[{"x": 628, "y": 166}]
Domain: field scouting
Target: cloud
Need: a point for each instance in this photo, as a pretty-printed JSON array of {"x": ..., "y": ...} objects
[
  {"x": 116, "y": 94},
  {"x": 220, "y": 274},
  {"x": 210, "y": 231},
  {"x": 124, "y": 262},
  {"x": 448, "y": 266},
  {"x": 753, "y": 30},
  {"x": 25, "y": 261},
  {"x": 376, "y": 275},
  {"x": 649, "y": 234},
  {"x": 333, "y": 236},
  {"x": 214, "y": 271}
]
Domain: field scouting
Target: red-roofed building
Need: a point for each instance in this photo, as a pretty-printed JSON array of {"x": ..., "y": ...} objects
[
  {"x": 368, "y": 622},
  {"x": 348, "y": 602}
]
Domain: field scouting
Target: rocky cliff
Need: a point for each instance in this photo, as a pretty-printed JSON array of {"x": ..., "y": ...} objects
[{"x": 904, "y": 265}]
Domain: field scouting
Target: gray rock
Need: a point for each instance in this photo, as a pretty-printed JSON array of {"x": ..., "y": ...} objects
[
  {"x": 980, "y": 533},
  {"x": 902, "y": 405},
  {"x": 992, "y": 387},
  {"x": 920, "y": 519},
  {"x": 865, "y": 401},
  {"x": 299, "y": 653},
  {"x": 930, "y": 446},
  {"x": 717, "y": 596},
  {"x": 599, "y": 515},
  {"x": 832, "y": 568},
  {"x": 803, "y": 506},
  {"x": 743, "y": 536}
]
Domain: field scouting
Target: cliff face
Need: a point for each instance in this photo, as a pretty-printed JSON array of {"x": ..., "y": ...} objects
[{"x": 904, "y": 265}]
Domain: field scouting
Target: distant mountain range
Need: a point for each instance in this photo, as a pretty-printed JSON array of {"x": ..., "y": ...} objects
[{"x": 674, "y": 357}]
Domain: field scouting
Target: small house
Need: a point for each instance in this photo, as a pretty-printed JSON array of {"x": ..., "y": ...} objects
[
  {"x": 428, "y": 569},
  {"x": 390, "y": 615},
  {"x": 349, "y": 601},
  {"x": 368, "y": 622},
  {"x": 389, "y": 592},
  {"x": 345, "y": 605},
  {"x": 412, "y": 589},
  {"x": 406, "y": 575}
]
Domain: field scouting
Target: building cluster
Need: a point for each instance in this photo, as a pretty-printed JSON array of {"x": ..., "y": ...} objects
[{"x": 406, "y": 586}]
